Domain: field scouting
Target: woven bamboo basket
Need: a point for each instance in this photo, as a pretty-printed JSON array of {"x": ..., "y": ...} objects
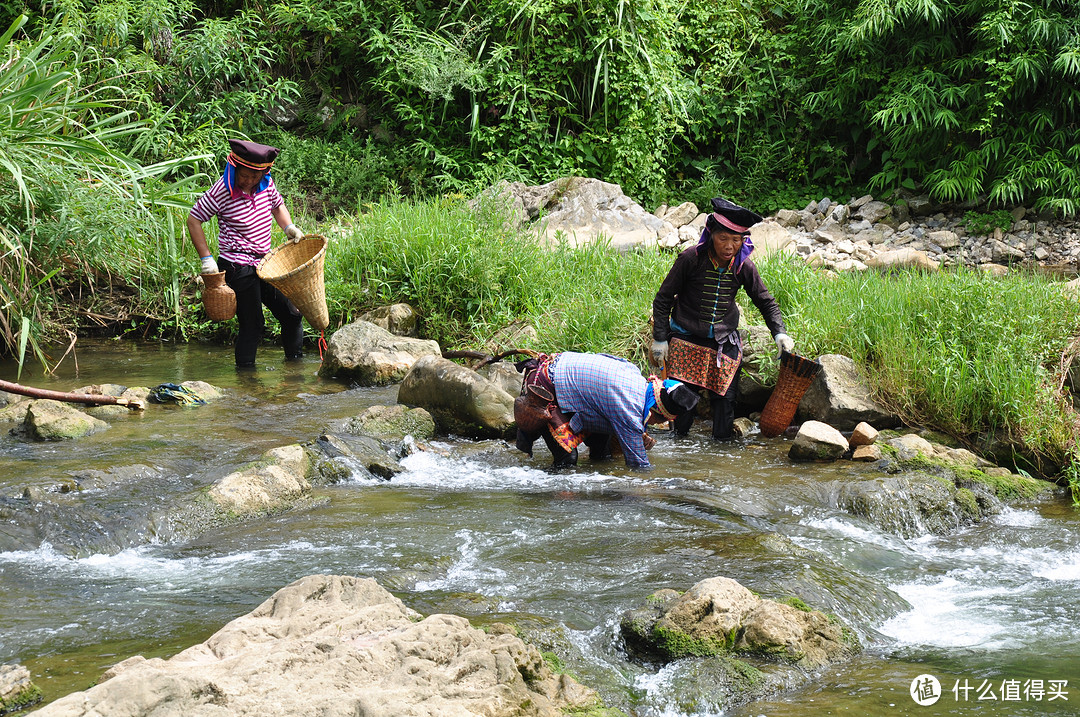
[
  {"x": 796, "y": 375},
  {"x": 296, "y": 270},
  {"x": 218, "y": 298}
]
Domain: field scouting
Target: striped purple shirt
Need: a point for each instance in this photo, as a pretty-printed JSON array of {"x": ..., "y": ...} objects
[
  {"x": 606, "y": 395},
  {"x": 244, "y": 222}
]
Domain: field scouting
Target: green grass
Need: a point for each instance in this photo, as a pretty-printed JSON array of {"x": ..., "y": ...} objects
[
  {"x": 470, "y": 275},
  {"x": 957, "y": 351}
]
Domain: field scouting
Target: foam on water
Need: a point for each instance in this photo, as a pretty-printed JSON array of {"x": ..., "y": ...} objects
[
  {"x": 427, "y": 469},
  {"x": 989, "y": 587},
  {"x": 467, "y": 572},
  {"x": 848, "y": 530},
  {"x": 951, "y": 613},
  {"x": 146, "y": 565},
  {"x": 662, "y": 694}
]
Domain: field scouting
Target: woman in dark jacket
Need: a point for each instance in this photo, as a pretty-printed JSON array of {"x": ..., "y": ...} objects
[{"x": 695, "y": 317}]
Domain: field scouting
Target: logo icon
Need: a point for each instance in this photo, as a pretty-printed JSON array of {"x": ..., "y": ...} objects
[{"x": 925, "y": 690}]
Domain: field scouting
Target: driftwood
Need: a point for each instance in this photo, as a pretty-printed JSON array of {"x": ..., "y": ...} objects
[
  {"x": 135, "y": 404},
  {"x": 484, "y": 358}
]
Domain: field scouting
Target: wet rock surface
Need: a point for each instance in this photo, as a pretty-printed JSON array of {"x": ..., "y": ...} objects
[{"x": 352, "y": 648}]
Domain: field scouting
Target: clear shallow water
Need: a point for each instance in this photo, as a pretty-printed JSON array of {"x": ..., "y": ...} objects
[{"x": 478, "y": 529}]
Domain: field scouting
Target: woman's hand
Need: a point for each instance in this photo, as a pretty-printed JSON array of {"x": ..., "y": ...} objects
[
  {"x": 784, "y": 343},
  {"x": 659, "y": 352}
]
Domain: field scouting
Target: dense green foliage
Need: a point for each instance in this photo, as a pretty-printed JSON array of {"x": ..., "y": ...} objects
[
  {"x": 78, "y": 215},
  {"x": 769, "y": 101},
  {"x": 967, "y": 98}
]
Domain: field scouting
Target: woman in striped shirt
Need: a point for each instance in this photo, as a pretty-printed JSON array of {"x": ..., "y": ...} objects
[
  {"x": 246, "y": 203},
  {"x": 695, "y": 317}
]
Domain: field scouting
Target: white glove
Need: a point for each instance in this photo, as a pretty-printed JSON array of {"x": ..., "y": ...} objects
[
  {"x": 209, "y": 266},
  {"x": 293, "y": 233},
  {"x": 784, "y": 343},
  {"x": 659, "y": 352}
]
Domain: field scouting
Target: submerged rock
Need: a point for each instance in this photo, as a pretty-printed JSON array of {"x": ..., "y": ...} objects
[
  {"x": 337, "y": 645},
  {"x": 364, "y": 452},
  {"x": 913, "y": 505},
  {"x": 268, "y": 485},
  {"x": 393, "y": 423}
]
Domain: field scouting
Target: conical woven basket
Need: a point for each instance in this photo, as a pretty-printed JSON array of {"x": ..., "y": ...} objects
[
  {"x": 796, "y": 375},
  {"x": 218, "y": 298},
  {"x": 296, "y": 270}
]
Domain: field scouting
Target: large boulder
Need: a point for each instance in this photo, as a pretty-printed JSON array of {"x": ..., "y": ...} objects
[
  {"x": 337, "y": 646},
  {"x": 371, "y": 355},
  {"x": 586, "y": 210},
  {"x": 718, "y": 616},
  {"x": 503, "y": 375},
  {"x": 48, "y": 420},
  {"x": 460, "y": 400},
  {"x": 769, "y": 237},
  {"x": 398, "y": 319},
  {"x": 838, "y": 397}
]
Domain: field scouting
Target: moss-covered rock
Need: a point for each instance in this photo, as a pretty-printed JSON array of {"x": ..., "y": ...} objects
[
  {"x": 932, "y": 488},
  {"x": 393, "y": 423},
  {"x": 718, "y": 616},
  {"x": 48, "y": 420},
  {"x": 17, "y": 691}
]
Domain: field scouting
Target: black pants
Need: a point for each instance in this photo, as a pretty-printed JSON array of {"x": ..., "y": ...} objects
[
  {"x": 599, "y": 445},
  {"x": 723, "y": 407},
  {"x": 252, "y": 293}
]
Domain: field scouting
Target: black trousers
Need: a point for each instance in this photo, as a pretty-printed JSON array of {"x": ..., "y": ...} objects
[
  {"x": 597, "y": 443},
  {"x": 252, "y": 293}
]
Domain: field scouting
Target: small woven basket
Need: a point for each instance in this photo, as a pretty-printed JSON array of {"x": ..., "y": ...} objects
[
  {"x": 296, "y": 270},
  {"x": 218, "y": 298},
  {"x": 796, "y": 375}
]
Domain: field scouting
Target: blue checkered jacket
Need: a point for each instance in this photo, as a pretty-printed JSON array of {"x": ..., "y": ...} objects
[{"x": 606, "y": 395}]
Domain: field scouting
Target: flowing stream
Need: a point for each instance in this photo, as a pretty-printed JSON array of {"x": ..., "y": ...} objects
[{"x": 106, "y": 570}]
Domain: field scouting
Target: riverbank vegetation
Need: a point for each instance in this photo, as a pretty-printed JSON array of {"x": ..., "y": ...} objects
[
  {"x": 117, "y": 114},
  {"x": 960, "y": 351}
]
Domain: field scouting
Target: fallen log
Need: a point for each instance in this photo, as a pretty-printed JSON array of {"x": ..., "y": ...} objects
[{"x": 134, "y": 404}]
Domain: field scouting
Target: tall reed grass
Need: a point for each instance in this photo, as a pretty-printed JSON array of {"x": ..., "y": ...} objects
[
  {"x": 470, "y": 274},
  {"x": 958, "y": 351}
]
